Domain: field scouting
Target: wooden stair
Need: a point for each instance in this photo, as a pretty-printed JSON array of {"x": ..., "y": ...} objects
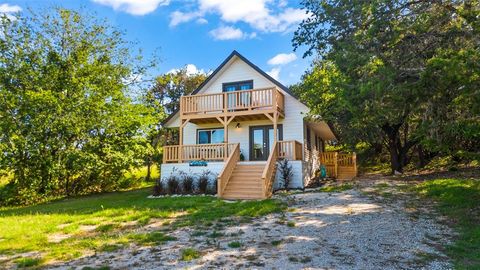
[{"x": 245, "y": 182}]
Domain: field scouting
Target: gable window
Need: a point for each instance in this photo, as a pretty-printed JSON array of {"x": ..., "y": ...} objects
[
  {"x": 237, "y": 86},
  {"x": 206, "y": 136}
]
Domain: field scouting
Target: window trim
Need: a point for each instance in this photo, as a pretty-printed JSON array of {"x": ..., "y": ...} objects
[
  {"x": 204, "y": 129},
  {"x": 224, "y": 85}
]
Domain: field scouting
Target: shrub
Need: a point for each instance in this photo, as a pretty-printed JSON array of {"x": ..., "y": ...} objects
[
  {"x": 213, "y": 189},
  {"x": 189, "y": 254},
  {"x": 286, "y": 172},
  {"x": 187, "y": 182},
  {"x": 172, "y": 184},
  {"x": 203, "y": 179},
  {"x": 234, "y": 244},
  {"x": 158, "y": 188}
]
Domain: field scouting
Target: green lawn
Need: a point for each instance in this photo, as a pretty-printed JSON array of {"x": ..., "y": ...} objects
[
  {"x": 459, "y": 199},
  {"x": 69, "y": 228}
]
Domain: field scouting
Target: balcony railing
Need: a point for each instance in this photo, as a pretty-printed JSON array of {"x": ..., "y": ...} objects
[
  {"x": 290, "y": 150},
  {"x": 185, "y": 153},
  {"x": 231, "y": 102}
]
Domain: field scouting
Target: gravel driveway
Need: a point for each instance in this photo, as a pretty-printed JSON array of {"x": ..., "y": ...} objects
[{"x": 345, "y": 230}]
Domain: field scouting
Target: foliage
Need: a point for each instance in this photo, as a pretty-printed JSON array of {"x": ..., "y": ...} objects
[
  {"x": 159, "y": 188},
  {"x": 458, "y": 199},
  {"x": 68, "y": 124},
  {"x": 189, "y": 254},
  {"x": 187, "y": 182},
  {"x": 234, "y": 244},
  {"x": 399, "y": 75},
  {"x": 286, "y": 172},
  {"x": 173, "y": 185},
  {"x": 27, "y": 229},
  {"x": 203, "y": 180}
]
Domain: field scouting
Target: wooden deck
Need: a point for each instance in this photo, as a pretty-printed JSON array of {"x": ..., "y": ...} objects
[
  {"x": 339, "y": 166},
  {"x": 244, "y": 105}
]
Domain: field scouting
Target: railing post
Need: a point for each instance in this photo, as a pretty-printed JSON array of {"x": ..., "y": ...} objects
[
  {"x": 354, "y": 160},
  {"x": 335, "y": 159}
]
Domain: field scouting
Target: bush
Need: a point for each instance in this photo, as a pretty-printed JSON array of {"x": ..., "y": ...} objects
[
  {"x": 187, "y": 182},
  {"x": 203, "y": 181},
  {"x": 286, "y": 173},
  {"x": 213, "y": 189},
  {"x": 158, "y": 188},
  {"x": 172, "y": 184}
]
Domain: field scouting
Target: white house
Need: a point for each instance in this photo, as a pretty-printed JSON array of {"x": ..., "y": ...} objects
[{"x": 229, "y": 122}]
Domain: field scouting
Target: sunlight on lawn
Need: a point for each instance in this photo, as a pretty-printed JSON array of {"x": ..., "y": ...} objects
[{"x": 70, "y": 228}]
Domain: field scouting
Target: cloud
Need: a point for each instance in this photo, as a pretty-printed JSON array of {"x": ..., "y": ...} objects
[
  {"x": 282, "y": 59},
  {"x": 202, "y": 21},
  {"x": 178, "y": 17},
  {"x": 230, "y": 33},
  {"x": 7, "y": 10},
  {"x": 191, "y": 70},
  {"x": 261, "y": 15},
  {"x": 134, "y": 7},
  {"x": 275, "y": 73}
]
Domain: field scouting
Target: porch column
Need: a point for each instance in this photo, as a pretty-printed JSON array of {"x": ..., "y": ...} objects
[
  {"x": 275, "y": 127},
  {"x": 183, "y": 123}
]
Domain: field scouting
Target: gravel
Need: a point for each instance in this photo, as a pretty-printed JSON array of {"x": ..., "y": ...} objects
[{"x": 346, "y": 230}]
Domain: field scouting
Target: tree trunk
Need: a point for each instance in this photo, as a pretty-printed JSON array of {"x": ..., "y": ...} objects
[
  {"x": 149, "y": 171},
  {"x": 398, "y": 152}
]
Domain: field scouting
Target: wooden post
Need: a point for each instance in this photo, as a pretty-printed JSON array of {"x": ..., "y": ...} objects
[
  {"x": 183, "y": 122},
  {"x": 335, "y": 159},
  {"x": 275, "y": 129},
  {"x": 354, "y": 159}
]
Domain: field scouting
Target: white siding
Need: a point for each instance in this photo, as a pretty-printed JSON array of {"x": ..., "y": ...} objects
[
  {"x": 169, "y": 168},
  {"x": 297, "y": 178}
]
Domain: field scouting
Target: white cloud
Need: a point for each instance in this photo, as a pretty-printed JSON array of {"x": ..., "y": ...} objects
[
  {"x": 229, "y": 33},
  {"x": 191, "y": 70},
  {"x": 258, "y": 14},
  {"x": 202, "y": 21},
  {"x": 6, "y": 8},
  {"x": 275, "y": 73},
  {"x": 178, "y": 17},
  {"x": 282, "y": 59},
  {"x": 134, "y": 7}
]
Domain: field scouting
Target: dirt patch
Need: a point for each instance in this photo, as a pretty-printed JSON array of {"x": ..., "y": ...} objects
[{"x": 340, "y": 230}]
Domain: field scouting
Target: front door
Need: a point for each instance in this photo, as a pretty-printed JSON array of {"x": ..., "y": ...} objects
[{"x": 261, "y": 141}]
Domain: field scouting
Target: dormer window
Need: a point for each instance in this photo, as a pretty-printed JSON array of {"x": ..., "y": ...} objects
[{"x": 237, "y": 86}]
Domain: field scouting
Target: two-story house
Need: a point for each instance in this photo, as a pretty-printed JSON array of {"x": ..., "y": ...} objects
[{"x": 230, "y": 121}]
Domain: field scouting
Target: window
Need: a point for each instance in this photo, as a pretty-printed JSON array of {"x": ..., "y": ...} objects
[
  {"x": 205, "y": 136},
  {"x": 309, "y": 142},
  {"x": 237, "y": 86}
]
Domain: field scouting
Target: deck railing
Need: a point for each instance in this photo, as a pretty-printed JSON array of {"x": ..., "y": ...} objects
[
  {"x": 209, "y": 152},
  {"x": 269, "y": 173},
  {"x": 335, "y": 162},
  {"x": 255, "y": 99},
  {"x": 228, "y": 168},
  {"x": 290, "y": 150}
]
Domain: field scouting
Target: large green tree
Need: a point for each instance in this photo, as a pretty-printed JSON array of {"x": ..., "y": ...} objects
[
  {"x": 404, "y": 73},
  {"x": 67, "y": 124}
]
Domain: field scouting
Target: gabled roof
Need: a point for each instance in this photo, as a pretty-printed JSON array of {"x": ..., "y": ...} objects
[{"x": 219, "y": 68}]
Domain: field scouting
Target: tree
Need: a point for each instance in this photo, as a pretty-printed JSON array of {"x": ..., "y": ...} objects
[
  {"x": 67, "y": 123},
  {"x": 164, "y": 98},
  {"x": 376, "y": 60}
]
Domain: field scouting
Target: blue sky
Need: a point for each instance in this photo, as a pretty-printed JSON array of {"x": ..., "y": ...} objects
[{"x": 201, "y": 33}]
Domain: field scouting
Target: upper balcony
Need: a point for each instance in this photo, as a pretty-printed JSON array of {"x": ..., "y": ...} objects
[{"x": 245, "y": 105}]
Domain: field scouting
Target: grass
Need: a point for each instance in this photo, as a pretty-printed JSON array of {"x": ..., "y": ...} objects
[
  {"x": 27, "y": 262},
  {"x": 189, "y": 254},
  {"x": 336, "y": 188},
  {"x": 291, "y": 224},
  {"x": 459, "y": 199},
  {"x": 109, "y": 221},
  {"x": 234, "y": 244}
]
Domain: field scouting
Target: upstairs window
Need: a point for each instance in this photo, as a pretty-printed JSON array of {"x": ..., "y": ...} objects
[
  {"x": 237, "y": 86},
  {"x": 206, "y": 136}
]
